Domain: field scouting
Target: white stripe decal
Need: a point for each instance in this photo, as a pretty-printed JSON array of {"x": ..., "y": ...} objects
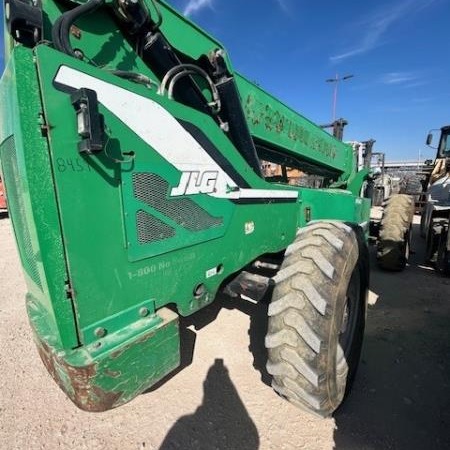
[
  {"x": 159, "y": 129},
  {"x": 266, "y": 193}
]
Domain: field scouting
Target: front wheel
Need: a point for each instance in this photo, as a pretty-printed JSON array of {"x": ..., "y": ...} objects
[{"x": 317, "y": 316}]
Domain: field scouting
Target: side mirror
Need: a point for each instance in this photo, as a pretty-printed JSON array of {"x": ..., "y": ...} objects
[{"x": 429, "y": 139}]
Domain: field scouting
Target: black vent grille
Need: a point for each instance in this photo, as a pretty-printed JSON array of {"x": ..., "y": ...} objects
[
  {"x": 153, "y": 190},
  {"x": 151, "y": 229},
  {"x": 17, "y": 209}
]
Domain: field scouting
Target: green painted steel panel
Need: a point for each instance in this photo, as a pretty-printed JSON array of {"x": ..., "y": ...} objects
[
  {"x": 109, "y": 240},
  {"x": 29, "y": 182}
]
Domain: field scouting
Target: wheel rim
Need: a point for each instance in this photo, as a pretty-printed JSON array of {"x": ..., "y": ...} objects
[{"x": 349, "y": 319}]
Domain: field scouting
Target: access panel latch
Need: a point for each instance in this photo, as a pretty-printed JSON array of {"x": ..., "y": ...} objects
[
  {"x": 24, "y": 21},
  {"x": 90, "y": 123}
]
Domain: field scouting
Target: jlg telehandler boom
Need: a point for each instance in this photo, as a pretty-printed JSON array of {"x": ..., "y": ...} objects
[{"x": 131, "y": 153}]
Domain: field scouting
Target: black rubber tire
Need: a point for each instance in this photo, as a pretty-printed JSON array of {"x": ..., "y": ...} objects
[
  {"x": 305, "y": 356},
  {"x": 412, "y": 186},
  {"x": 395, "y": 233},
  {"x": 443, "y": 255},
  {"x": 432, "y": 244},
  {"x": 423, "y": 231}
]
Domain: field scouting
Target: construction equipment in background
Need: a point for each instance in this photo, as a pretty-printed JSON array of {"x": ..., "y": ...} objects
[
  {"x": 395, "y": 232},
  {"x": 436, "y": 213},
  {"x": 338, "y": 128},
  {"x": 392, "y": 213},
  {"x": 384, "y": 185},
  {"x": 135, "y": 188}
]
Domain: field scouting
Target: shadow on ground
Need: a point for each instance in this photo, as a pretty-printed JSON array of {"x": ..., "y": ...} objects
[
  {"x": 220, "y": 422},
  {"x": 257, "y": 332},
  {"x": 401, "y": 396}
]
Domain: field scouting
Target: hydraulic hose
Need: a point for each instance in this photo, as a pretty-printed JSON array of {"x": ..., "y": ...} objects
[
  {"x": 55, "y": 33},
  {"x": 182, "y": 70},
  {"x": 136, "y": 77},
  {"x": 61, "y": 28}
]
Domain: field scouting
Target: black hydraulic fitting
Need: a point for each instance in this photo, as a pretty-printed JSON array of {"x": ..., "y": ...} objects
[{"x": 24, "y": 21}]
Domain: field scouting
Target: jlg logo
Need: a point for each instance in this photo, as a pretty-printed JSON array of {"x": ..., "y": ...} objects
[{"x": 196, "y": 182}]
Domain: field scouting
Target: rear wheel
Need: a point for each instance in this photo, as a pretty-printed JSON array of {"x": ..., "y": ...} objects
[
  {"x": 317, "y": 317},
  {"x": 395, "y": 233}
]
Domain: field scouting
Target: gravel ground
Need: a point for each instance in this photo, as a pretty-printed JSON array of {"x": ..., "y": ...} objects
[{"x": 221, "y": 400}]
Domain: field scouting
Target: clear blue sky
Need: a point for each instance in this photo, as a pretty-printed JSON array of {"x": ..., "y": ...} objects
[{"x": 398, "y": 51}]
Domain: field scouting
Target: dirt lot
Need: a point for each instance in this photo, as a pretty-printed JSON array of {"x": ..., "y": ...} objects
[{"x": 220, "y": 400}]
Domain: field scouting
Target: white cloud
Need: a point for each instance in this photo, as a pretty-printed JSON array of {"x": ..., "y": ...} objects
[
  {"x": 405, "y": 80},
  {"x": 398, "y": 78},
  {"x": 379, "y": 23},
  {"x": 194, "y": 6}
]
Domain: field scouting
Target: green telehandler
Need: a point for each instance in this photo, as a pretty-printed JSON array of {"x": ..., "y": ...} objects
[{"x": 131, "y": 153}]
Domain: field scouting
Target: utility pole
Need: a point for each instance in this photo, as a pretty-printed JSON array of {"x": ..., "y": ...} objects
[{"x": 336, "y": 81}]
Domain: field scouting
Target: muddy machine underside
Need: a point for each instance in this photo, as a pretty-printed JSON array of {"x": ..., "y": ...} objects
[{"x": 131, "y": 154}]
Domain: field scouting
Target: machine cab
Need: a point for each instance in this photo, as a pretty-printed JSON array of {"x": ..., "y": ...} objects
[{"x": 444, "y": 142}]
